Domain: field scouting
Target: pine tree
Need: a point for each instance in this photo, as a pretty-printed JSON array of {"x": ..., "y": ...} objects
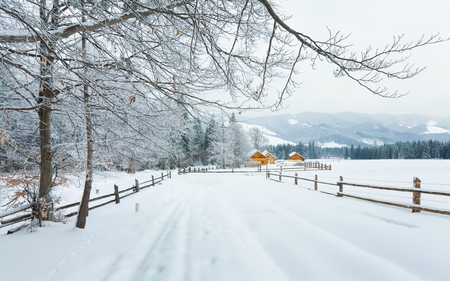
[
  {"x": 197, "y": 143},
  {"x": 346, "y": 154}
]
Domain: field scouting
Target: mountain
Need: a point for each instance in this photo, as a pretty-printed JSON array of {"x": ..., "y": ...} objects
[{"x": 348, "y": 128}]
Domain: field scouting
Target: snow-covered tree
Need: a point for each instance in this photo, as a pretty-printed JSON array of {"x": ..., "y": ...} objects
[
  {"x": 239, "y": 144},
  {"x": 219, "y": 146},
  {"x": 228, "y": 145}
]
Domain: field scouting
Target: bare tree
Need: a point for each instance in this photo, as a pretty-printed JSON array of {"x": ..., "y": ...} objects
[
  {"x": 167, "y": 52},
  {"x": 257, "y": 137}
]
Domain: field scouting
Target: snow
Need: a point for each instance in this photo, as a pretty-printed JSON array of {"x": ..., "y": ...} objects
[
  {"x": 372, "y": 141},
  {"x": 332, "y": 144},
  {"x": 262, "y": 128},
  {"x": 244, "y": 227},
  {"x": 292, "y": 121},
  {"x": 306, "y": 125},
  {"x": 433, "y": 129},
  {"x": 271, "y": 136},
  {"x": 276, "y": 140}
]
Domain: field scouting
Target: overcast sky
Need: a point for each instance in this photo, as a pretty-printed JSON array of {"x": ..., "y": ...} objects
[{"x": 373, "y": 23}]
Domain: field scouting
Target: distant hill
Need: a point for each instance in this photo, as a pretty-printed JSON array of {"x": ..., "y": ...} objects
[{"x": 353, "y": 128}]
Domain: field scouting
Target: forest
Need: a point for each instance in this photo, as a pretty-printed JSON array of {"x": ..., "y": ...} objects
[
  {"x": 421, "y": 149},
  {"x": 187, "y": 142}
]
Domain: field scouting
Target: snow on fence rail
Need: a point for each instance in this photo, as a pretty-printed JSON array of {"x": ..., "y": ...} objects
[
  {"x": 116, "y": 194},
  {"x": 417, "y": 192}
]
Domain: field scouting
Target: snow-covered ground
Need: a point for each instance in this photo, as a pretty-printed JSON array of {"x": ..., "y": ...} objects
[{"x": 244, "y": 227}]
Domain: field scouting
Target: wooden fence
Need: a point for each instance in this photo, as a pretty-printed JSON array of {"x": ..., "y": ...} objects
[
  {"x": 8, "y": 219},
  {"x": 416, "y": 192},
  {"x": 300, "y": 166},
  {"x": 216, "y": 170}
]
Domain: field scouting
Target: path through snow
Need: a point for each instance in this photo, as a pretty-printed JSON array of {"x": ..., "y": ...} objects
[{"x": 235, "y": 227}]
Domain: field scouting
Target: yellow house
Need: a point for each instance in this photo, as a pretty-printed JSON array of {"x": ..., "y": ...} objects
[
  {"x": 270, "y": 158},
  {"x": 255, "y": 155},
  {"x": 295, "y": 156}
]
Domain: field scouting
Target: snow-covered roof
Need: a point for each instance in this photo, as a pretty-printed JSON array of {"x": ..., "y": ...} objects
[
  {"x": 253, "y": 152},
  {"x": 293, "y": 153}
]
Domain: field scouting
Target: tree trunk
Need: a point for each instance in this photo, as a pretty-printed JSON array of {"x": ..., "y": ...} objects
[
  {"x": 84, "y": 206},
  {"x": 47, "y": 93},
  {"x": 45, "y": 181}
]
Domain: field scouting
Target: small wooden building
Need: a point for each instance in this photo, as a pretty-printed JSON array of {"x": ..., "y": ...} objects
[
  {"x": 295, "y": 156},
  {"x": 270, "y": 158},
  {"x": 256, "y": 155}
]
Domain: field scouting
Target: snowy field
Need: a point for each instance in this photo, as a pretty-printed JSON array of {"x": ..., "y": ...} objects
[{"x": 244, "y": 227}]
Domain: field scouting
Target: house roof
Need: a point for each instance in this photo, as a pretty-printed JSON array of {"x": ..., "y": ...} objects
[
  {"x": 267, "y": 153},
  {"x": 293, "y": 153},
  {"x": 253, "y": 152}
]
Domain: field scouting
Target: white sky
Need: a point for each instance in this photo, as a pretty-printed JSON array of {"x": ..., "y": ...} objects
[{"x": 373, "y": 23}]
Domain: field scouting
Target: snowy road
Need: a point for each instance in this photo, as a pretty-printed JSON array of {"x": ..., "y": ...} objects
[{"x": 240, "y": 227}]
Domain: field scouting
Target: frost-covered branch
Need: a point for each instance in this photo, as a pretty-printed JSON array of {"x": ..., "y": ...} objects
[{"x": 370, "y": 67}]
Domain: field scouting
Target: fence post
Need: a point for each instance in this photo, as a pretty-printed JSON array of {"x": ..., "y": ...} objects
[
  {"x": 116, "y": 194},
  {"x": 170, "y": 174},
  {"x": 280, "y": 176},
  {"x": 153, "y": 180},
  {"x": 341, "y": 187},
  {"x": 162, "y": 176},
  {"x": 315, "y": 182},
  {"x": 296, "y": 179},
  {"x": 136, "y": 183},
  {"x": 416, "y": 195}
]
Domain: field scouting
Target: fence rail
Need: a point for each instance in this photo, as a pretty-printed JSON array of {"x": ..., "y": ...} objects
[
  {"x": 216, "y": 170},
  {"x": 300, "y": 166},
  {"x": 307, "y": 165},
  {"x": 116, "y": 194},
  {"x": 416, "y": 191}
]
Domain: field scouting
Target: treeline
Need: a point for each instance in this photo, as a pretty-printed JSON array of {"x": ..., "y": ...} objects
[{"x": 430, "y": 149}]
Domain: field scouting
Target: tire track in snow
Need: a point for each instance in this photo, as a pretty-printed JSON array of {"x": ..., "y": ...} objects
[
  {"x": 204, "y": 240},
  {"x": 166, "y": 258},
  {"x": 135, "y": 260},
  {"x": 231, "y": 252}
]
